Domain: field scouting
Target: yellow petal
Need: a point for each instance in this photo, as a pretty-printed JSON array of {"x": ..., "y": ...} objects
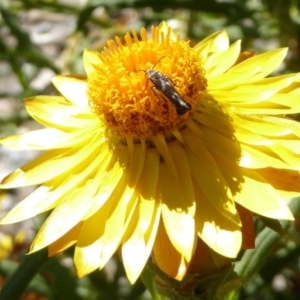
[
  {"x": 64, "y": 218},
  {"x": 260, "y": 197},
  {"x": 270, "y": 85},
  {"x": 66, "y": 215},
  {"x": 104, "y": 240},
  {"x": 288, "y": 124},
  {"x": 218, "y": 232},
  {"x": 282, "y": 180},
  {"x": 262, "y": 125},
  {"x": 73, "y": 89},
  {"x": 260, "y": 157},
  {"x": 49, "y": 138},
  {"x": 213, "y": 140},
  {"x": 166, "y": 257},
  {"x": 103, "y": 216},
  {"x": 42, "y": 199},
  {"x": 177, "y": 213},
  {"x": 137, "y": 247},
  {"x": 178, "y": 153},
  {"x": 90, "y": 60},
  {"x": 250, "y": 138},
  {"x": 66, "y": 241},
  {"x": 291, "y": 158},
  {"x": 289, "y": 100},
  {"x": 56, "y": 191},
  {"x": 216, "y": 42},
  {"x": 265, "y": 108},
  {"x": 227, "y": 81},
  {"x": 236, "y": 99},
  {"x": 162, "y": 147},
  {"x": 220, "y": 62},
  {"x": 212, "y": 119},
  {"x": 163, "y": 27},
  {"x": 56, "y": 112},
  {"x": 259, "y": 66},
  {"x": 290, "y": 141},
  {"x": 136, "y": 165},
  {"x": 206, "y": 174},
  {"x": 50, "y": 165}
]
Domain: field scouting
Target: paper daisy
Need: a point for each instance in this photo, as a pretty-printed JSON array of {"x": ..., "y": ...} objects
[{"x": 147, "y": 165}]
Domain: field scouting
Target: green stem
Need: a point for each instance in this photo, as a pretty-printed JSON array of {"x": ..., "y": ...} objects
[
  {"x": 16, "y": 284},
  {"x": 253, "y": 259}
]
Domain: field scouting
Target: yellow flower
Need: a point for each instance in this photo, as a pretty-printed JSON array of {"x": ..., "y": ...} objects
[{"x": 149, "y": 165}]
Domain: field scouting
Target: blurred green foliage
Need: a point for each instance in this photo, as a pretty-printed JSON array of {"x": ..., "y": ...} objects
[
  {"x": 30, "y": 44},
  {"x": 42, "y": 37}
]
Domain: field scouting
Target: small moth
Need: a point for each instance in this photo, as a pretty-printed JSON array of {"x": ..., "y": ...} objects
[{"x": 164, "y": 87}]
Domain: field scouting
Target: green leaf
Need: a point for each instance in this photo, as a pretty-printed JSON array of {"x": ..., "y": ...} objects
[
  {"x": 37, "y": 284},
  {"x": 148, "y": 278},
  {"x": 253, "y": 259},
  {"x": 192, "y": 287},
  {"x": 64, "y": 282},
  {"x": 16, "y": 284},
  {"x": 273, "y": 224}
]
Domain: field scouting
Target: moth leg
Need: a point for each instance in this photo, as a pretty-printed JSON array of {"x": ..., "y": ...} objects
[
  {"x": 173, "y": 83},
  {"x": 180, "y": 105},
  {"x": 159, "y": 95},
  {"x": 146, "y": 83},
  {"x": 146, "y": 80}
]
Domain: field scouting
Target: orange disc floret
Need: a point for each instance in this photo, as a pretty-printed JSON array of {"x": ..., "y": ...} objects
[{"x": 121, "y": 93}]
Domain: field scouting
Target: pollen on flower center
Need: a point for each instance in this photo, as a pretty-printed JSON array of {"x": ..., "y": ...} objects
[{"x": 121, "y": 93}]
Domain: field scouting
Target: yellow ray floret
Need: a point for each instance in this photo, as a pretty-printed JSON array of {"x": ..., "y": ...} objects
[{"x": 125, "y": 170}]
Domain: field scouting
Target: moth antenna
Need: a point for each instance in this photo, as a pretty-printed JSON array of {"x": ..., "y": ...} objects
[
  {"x": 154, "y": 64},
  {"x": 160, "y": 60}
]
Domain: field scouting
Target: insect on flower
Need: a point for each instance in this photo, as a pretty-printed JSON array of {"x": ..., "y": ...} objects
[{"x": 164, "y": 87}]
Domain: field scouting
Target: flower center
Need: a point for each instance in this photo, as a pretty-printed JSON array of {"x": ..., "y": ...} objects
[{"x": 144, "y": 87}]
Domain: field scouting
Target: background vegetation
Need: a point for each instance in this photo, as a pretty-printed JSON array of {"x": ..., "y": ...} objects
[{"x": 40, "y": 38}]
